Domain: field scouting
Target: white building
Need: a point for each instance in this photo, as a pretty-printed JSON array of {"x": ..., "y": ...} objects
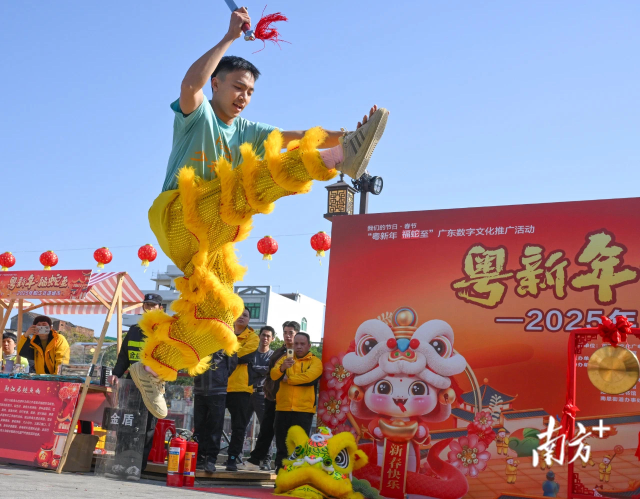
[{"x": 267, "y": 307}]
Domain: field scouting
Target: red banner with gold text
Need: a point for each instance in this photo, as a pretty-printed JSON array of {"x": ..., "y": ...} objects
[
  {"x": 43, "y": 284},
  {"x": 450, "y": 327}
]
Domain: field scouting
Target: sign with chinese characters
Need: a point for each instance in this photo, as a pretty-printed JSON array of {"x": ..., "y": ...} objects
[
  {"x": 124, "y": 421},
  {"x": 35, "y": 418},
  {"x": 394, "y": 471},
  {"x": 454, "y": 341},
  {"x": 45, "y": 284}
]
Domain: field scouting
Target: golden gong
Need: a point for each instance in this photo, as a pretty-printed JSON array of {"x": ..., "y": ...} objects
[{"x": 613, "y": 370}]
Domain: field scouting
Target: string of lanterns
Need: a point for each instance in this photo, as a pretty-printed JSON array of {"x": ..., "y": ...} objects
[
  {"x": 103, "y": 256},
  {"x": 320, "y": 242},
  {"x": 267, "y": 246}
]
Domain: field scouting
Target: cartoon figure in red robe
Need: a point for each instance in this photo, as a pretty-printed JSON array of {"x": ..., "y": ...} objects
[{"x": 401, "y": 384}]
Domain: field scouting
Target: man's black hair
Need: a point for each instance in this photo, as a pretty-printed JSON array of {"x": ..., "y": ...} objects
[
  {"x": 43, "y": 318},
  {"x": 292, "y": 324},
  {"x": 268, "y": 328},
  {"x": 306, "y": 336},
  {"x": 234, "y": 63}
]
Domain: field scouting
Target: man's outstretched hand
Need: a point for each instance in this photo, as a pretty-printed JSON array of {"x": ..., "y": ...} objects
[
  {"x": 238, "y": 18},
  {"x": 365, "y": 118}
]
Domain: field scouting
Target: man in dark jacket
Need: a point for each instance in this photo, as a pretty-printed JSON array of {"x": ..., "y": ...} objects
[
  {"x": 210, "y": 396},
  {"x": 258, "y": 368},
  {"x": 260, "y": 455},
  {"x": 129, "y": 354}
]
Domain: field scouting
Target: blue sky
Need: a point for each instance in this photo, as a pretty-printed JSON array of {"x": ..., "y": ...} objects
[{"x": 491, "y": 103}]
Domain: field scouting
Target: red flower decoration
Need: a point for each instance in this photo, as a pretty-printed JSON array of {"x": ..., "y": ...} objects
[
  {"x": 482, "y": 427},
  {"x": 335, "y": 373},
  {"x": 469, "y": 455},
  {"x": 49, "y": 259},
  {"x": 7, "y": 260},
  {"x": 267, "y": 246},
  {"x": 333, "y": 407},
  {"x": 483, "y": 420},
  {"x": 614, "y": 333},
  {"x": 321, "y": 242},
  {"x": 102, "y": 256}
]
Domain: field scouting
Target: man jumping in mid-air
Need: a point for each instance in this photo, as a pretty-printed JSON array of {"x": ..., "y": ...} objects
[{"x": 222, "y": 170}]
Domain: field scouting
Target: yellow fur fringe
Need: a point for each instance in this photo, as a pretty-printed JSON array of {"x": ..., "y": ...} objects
[
  {"x": 272, "y": 147},
  {"x": 250, "y": 174},
  {"x": 310, "y": 156}
]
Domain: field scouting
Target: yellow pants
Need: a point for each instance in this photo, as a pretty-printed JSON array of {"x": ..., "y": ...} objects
[
  {"x": 511, "y": 478},
  {"x": 196, "y": 226},
  {"x": 502, "y": 449},
  {"x": 604, "y": 477}
]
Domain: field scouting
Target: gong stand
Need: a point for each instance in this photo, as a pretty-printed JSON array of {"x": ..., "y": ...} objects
[{"x": 578, "y": 339}]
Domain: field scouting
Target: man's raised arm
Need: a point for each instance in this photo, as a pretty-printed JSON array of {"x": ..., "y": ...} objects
[{"x": 191, "y": 95}]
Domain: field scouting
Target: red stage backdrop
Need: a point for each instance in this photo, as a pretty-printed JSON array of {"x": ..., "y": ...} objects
[
  {"x": 447, "y": 330},
  {"x": 43, "y": 284},
  {"x": 35, "y": 417}
]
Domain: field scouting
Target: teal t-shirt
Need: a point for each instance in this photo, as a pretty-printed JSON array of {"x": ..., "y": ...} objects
[{"x": 200, "y": 138}]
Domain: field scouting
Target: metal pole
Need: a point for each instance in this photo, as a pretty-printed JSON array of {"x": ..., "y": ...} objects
[{"x": 364, "y": 202}]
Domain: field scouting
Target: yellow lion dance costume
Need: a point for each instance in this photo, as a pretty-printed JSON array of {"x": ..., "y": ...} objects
[
  {"x": 197, "y": 226},
  {"x": 320, "y": 466}
]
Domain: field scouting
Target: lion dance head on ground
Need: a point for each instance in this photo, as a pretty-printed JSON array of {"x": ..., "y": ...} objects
[{"x": 320, "y": 466}]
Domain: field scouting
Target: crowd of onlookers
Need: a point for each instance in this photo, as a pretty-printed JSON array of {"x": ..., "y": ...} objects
[{"x": 280, "y": 385}]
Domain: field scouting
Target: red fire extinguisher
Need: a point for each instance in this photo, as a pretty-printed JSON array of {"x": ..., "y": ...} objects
[
  {"x": 175, "y": 463},
  {"x": 190, "y": 460}
]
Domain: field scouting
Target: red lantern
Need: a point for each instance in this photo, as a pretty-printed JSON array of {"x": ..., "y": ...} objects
[
  {"x": 102, "y": 256},
  {"x": 147, "y": 253},
  {"x": 7, "y": 260},
  {"x": 267, "y": 246},
  {"x": 49, "y": 259},
  {"x": 321, "y": 242}
]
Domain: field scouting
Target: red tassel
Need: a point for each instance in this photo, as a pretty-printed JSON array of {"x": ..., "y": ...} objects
[{"x": 265, "y": 30}]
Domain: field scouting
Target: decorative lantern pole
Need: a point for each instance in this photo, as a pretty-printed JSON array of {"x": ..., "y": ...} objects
[{"x": 340, "y": 199}]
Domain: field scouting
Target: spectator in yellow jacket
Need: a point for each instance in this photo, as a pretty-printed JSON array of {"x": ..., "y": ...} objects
[
  {"x": 296, "y": 398},
  {"x": 43, "y": 346},
  {"x": 239, "y": 390}
]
